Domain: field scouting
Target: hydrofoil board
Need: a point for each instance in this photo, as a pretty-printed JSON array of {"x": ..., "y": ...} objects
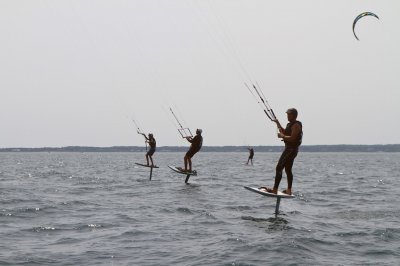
[
  {"x": 145, "y": 165},
  {"x": 181, "y": 171},
  {"x": 268, "y": 194}
]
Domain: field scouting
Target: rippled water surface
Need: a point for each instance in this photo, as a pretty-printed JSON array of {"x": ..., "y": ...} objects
[{"x": 101, "y": 209}]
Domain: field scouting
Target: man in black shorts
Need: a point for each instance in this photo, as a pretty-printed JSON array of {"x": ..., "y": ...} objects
[
  {"x": 152, "y": 143},
  {"x": 251, "y": 155},
  {"x": 197, "y": 142},
  {"x": 292, "y": 136}
]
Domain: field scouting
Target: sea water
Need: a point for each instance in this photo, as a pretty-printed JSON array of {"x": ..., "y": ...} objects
[{"x": 101, "y": 209}]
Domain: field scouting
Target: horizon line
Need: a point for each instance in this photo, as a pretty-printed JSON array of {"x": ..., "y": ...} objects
[{"x": 177, "y": 146}]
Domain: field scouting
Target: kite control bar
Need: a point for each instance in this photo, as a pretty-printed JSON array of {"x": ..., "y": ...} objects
[
  {"x": 139, "y": 131},
  {"x": 184, "y": 132},
  {"x": 265, "y": 105}
]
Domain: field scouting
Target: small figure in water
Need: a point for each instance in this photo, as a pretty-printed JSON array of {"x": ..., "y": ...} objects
[
  {"x": 152, "y": 143},
  {"x": 196, "y": 144},
  {"x": 251, "y": 155},
  {"x": 292, "y": 136}
]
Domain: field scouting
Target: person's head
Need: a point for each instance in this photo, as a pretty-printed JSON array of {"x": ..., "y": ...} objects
[
  {"x": 199, "y": 131},
  {"x": 291, "y": 114},
  {"x": 150, "y": 135}
]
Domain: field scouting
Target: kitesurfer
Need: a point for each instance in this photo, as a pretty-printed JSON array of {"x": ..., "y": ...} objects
[
  {"x": 292, "y": 136},
  {"x": 196, "y": 144},
  {"x": 152, "y": 143},
  {"x": 251, "y": 155}
]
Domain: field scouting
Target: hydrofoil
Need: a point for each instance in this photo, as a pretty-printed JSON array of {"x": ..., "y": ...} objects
[{"x": 148, "y": 166}]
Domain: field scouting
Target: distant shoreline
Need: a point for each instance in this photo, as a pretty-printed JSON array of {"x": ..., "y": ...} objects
[{"x": 305, "y": 148}]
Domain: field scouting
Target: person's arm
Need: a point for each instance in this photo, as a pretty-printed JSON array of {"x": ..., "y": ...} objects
[
  {"x": 281, "y": 129},
  {"x": 296, "y": 129},
  {"x": 144, "y": 135},
  {"x": 190, "y": 139}
]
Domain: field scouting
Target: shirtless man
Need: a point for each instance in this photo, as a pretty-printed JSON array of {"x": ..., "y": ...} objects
[
  {"x": 152, "y": 143},
  {"x": 251, "y": 155},
  {"x": 196, "y": 144}
]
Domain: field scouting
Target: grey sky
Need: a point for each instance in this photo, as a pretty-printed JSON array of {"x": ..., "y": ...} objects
[{"x": 74, "y": 72}]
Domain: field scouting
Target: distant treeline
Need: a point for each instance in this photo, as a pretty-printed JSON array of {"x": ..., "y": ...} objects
[{"x": 305, "y": 148}]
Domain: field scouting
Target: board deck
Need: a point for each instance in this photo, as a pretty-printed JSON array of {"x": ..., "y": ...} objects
[
  {"x": 176, "y": 169},
  {"x": 264, "y": 193},
  {"x": 145, "y": 165}
]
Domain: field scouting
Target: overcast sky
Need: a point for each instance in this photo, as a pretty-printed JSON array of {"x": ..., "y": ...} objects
[{"x": 77, "y": 72}]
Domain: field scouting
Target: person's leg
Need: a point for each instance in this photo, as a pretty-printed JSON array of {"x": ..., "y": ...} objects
[
  {"x": 190, "y": 164},
  {"x": 188, "y": 160},
  {"x": 147, "y": 158},
  {"x": 150, "y": 155},
  {"x": 289, "y": 174},
  {"x": 279, "y": 168},
  {"x": 185, "y": 159},
  {"x": 251, "y": 160}
]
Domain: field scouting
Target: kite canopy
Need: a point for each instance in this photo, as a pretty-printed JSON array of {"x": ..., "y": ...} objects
[{"x": 361, "y": 16}]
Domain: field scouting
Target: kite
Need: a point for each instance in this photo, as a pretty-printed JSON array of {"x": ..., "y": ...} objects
[{"x": 359, "y": 17}]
